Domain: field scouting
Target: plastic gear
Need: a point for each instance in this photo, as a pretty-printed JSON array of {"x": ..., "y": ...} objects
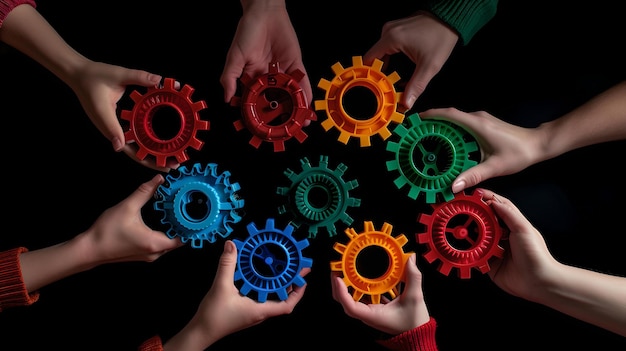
[
  {"x": 272, "y": 97},
  {"x": 375, "y": 287},
  {"x": 319, "y": 197},
  {"x": 141, "y": 117},
  {"x": 463, "y": 233},
  {"x": 360, "y": 75},
  {"x": 199, "y": 204},
  {"x": 429, "y": 156},
  {"x": 269, "y": 261}
]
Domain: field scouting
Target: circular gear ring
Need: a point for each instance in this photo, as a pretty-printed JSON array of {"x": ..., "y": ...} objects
[
  {"x": 318, "y": 196},
  {"x": 387, "y": 282},
  {"x": 199, "y": 204},
  {"x": 269, "y": 261},
  {"x": 272, "y": 97},
  {"x": 372, "y": 78},
  {"x": 463, "y": 233},
  {"x": 141, "y": 118},
  {"x": 429, "y": 156}
]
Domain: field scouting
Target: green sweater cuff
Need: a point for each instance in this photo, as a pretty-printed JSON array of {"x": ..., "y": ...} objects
[{"x": 466, "y": 17}]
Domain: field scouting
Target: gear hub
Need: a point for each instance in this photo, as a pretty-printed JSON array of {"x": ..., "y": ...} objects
[
  {"x": 371, "y": 78},
  {"x": 388, "y": 282},
  {"x": 141, "y": 127},
  {"x": 269, "y": 261},
  {"x": 429, "y": 155},
  {"x": 463, "y": 233},
  {"x": 318, "y": 196},
  {"x": 199, "y": 204},
  {"x": 273, "y": 107}
]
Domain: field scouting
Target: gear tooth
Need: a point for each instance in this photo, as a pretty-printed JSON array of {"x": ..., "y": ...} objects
[
  {"x": 365, "y": 141},
  {"x": 344, "y": 137},
  {"x": 256, "y": 141},
  {"x": 136, "y": 96},
  {"x": 327, "y": 124},
  {"x": 357, "y": 295}
]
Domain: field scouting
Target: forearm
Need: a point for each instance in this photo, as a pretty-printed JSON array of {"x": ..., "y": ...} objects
[
  {"x": 191, "y": 337},
  {"x": 593, "y": 297},
  {"x": 27, "y": 31},
  {"x": 247, "y": 4},
  {"x": 601, "y": 119},
  {"x": 48, "y": 265}
]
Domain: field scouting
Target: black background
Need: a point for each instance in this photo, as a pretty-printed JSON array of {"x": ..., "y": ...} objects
[{"x": 527, "y": 65}]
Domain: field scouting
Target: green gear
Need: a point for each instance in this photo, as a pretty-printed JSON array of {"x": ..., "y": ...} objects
[
  {"x": 429, "y": 156},
  {"x": 318, "y": 197}
]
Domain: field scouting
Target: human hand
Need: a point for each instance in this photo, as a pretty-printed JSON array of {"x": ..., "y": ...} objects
[
  {"x": 405, "y": 312},
  {"x": 527, "y": 265},
  {"x": 425, "y": 40},
  {"x": 99, "y": 87},
  {"x": 264, "y": 35},
  {"x": 120, "y": 234},
  {"x": 223, "y": 310},
  {"x": 505, "y": 148}
]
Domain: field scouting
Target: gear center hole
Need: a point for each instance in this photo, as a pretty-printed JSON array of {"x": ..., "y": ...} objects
[
  {"x": 372, "y": 262},
  {"x": 462, "y": 233},
  {"x": 435, "y": 158},
  {"x": 269, "y": 260},
  {"x": 318, "y": 197},
  {"x": 360, "y": 103},
  {"x": 166, "y": 122},
  {"x": 197, "y": 206},
  {"x": 277, "y": 108}
]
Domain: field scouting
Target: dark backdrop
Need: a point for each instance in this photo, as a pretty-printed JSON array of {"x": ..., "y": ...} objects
[{"x": 527, "y": 65}]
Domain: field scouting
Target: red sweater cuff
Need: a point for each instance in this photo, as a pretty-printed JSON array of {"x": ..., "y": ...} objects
[
  {"x": 7, "y": 6},
  {"x": 12, "y": 289},
  {"x": 421, "y": 338},
  {"x": 152, "y": 344}
]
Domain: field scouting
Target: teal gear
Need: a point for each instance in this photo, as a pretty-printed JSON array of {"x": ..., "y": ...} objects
[
  {"x": 429, "y": 155},
  {"x": 318, "y": 197}
]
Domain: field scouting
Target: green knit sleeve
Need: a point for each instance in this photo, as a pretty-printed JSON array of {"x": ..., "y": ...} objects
[{"x": 467, "y": 17}]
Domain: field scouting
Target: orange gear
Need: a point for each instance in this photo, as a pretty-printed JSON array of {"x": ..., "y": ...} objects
[
  {"x": 372, "y": 78},
  {"x": 387, "y": 282},
  {"x": 141, "y": 117}
]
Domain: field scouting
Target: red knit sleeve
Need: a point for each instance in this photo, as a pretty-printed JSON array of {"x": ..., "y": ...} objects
[
  {"x": 152, "y": 344},
  {"x": 7, "y": 5},
  {"x": 12, "y": 290},
  {"x": 421, "y": 338}
]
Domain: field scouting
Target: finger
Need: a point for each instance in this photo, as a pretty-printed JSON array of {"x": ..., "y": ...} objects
[
  {"x": 233, "y": 69},
  {"x": 142, "y": 78},
  {"x": 506, "y": 210},
  {"x": 413, "y": 277},
  {"x": 416, "y": 85}
]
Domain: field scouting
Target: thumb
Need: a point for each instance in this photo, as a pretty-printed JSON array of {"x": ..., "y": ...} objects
[
  {"x": 413, "y": 276},
  {"x": 145, "y": 191},
  {"x": 474, "y": 175},
  {"x": 227, "y": 263}
]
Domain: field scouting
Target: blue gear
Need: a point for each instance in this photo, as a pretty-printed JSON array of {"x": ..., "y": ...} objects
[
  {"x": 333, "y": 203},
  {"x": 202, "y": 187},
  {"x": 270, "y": 261}
]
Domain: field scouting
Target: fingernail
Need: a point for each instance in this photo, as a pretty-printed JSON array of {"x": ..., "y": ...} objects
[
  {"x": 117, "y": 144},
  {"x": 410, "y": 101},
  {"x": 458, "y": 186},
  {"x": 154, "y": 78},
  {"x": 228, "y": 247}
]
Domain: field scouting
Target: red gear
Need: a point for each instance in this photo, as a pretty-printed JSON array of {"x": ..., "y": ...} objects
[
  {"x": 463, "y": 233},
  {"x": 141, "y": 117}
]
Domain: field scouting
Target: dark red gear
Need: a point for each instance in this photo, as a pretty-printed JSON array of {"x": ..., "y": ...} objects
[
  {"x": 141, "y": 129},
  {"x": 273, "y": 107},
  {"x": 463, "y": 233}
]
